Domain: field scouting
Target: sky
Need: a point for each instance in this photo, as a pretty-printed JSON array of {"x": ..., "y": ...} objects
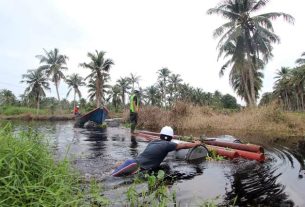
[{"x": 140, "y": 36}]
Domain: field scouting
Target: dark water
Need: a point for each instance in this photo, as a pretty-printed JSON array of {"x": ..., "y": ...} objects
[{"x": 279, "y": 181}]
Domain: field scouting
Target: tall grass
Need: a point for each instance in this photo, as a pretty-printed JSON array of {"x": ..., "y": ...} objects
[
  {"x": 30, "y": 177},
  {"x": 266, "y": 120},
  {"x": 16, "y": 110}
]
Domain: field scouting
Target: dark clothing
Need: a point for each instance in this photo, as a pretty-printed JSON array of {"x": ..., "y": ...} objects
[
  {"x": 154, "y": 154},
  {"x": 133, "y": 121}
]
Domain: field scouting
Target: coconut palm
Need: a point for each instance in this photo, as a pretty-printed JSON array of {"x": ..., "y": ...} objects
[
  {"x": 174, "y": 81},
  {"x": 134, "y": 79},
  {"x": 114, "y": 96},
  {"x": 74, "y": 81},
  {"x": 152, "y": 95},
  {"x": 163, "y": 75},
  {"x": 301, "y": 61},
  {"x": 7, "y": 97},
  {"x": 246, "y": 39},
  {"x": 124, "y": 84},
  {"x": 282, "y": 87},
  {"x": 92, "y": 90},
  {"x": 37, "y": 84},
  {"x": 99, "y": 67},
  {"x": 298, "y": 82},
  {"x": 53, "y": 65}
]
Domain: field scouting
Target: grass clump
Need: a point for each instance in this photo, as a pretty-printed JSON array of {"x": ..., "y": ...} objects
[
  {"x": 16, "y": 110},
  {"x": 30, "y": 177}
]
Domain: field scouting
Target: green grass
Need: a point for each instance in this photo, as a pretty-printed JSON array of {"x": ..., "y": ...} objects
[
  {"x": 29, "y": 176},
  {"x": 16, "y": 110}
]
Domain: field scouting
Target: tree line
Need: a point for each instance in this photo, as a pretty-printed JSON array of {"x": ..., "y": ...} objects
[
  {"x": 245, "y": 42},
  {"x": 168, "y": 88},
  {"x": 289, "y": 87}
]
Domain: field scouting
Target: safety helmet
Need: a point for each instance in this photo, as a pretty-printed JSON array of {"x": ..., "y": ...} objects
[
  {"x": 136, "y": 89},
  {"x": 168, "y": 131}
]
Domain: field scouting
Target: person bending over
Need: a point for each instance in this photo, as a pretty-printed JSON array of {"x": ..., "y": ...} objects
[{"x": 154, "y": 154}]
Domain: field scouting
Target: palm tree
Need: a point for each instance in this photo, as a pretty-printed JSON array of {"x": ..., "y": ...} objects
[
  {"x": 152, "y": 95},
  {"x": 174, "y": 82},
  {"x": 7, "y": 97},
  {"x": 37, "y": 83},
  {"x": 246, "y": 40},
  {"x": 163, "y": 75},
  {"x": 298, "y": 81},
  {"x": 54, "y": 63},
  {"x": 99, "y": 67},
  {"x": 282, "y": 86},
  {"x": 301, "y": 61},
  {"x": 115, "y": 96},
  {"x": 124, "y": 84},
  {"x": 134, "y": 79},
  {"x": 74, "y": 81},
  {"x": 92, "y": 90}
]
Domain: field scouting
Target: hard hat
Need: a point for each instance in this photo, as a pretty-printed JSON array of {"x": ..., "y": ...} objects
[
  {"x": 136, "y": 89},
  {"x": 168, "y": 131}
]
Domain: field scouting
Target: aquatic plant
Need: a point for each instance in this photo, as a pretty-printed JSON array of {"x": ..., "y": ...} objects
[
  {"x": 29, "y": 176},
  {"x": 214, "y": 156},
  {"x": 103, "y": 126},
  {"x": 156, "y": 194}
]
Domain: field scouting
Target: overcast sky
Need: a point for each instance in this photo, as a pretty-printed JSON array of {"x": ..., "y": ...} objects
[{"x": 140, "y": 36}]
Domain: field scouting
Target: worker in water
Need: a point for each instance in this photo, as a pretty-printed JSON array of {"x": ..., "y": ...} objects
[
  {"x": 134, "y": 109},
  {"x": 154, "y": 153},
  {"x": 76, "y": 110}
]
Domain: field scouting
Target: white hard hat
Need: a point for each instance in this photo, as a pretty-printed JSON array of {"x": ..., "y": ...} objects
[
  {"x": 136, "y": 89},
  {"x": 168, "y": 131}
]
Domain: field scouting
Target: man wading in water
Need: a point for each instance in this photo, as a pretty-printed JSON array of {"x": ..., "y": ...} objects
[
  {"x": 154, "y": 154},
  {"x": 134, "y": 109}
]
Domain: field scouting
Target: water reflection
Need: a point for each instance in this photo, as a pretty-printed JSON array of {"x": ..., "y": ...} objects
[
  {"x": 133, "y": 147},
  {"x": 254, "y": 184}
]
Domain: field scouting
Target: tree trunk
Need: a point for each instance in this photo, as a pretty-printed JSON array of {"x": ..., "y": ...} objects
[
  {"x": 74, "y": 100},
  {"x": 246, "y": 89},
  {"x": 56, "y": 86},
  {"x": 98, "y": 90},
  {"x": 123, "y": 98},
  {"x": 37, "y": 103},
  {"x": 252, "y": 89},
  {"x": 58, "y": 98}
]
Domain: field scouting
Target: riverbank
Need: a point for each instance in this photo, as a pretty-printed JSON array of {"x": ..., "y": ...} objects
[
  {"x": 34, "y": 117},
  {"x": 267, "y": 122},
  {"x": 26, "y": 114}
]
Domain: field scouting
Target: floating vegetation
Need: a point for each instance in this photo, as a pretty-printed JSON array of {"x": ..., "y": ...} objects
[
  {"x": 156, "y": 193},
  {"x": 213, "y": 156}
]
